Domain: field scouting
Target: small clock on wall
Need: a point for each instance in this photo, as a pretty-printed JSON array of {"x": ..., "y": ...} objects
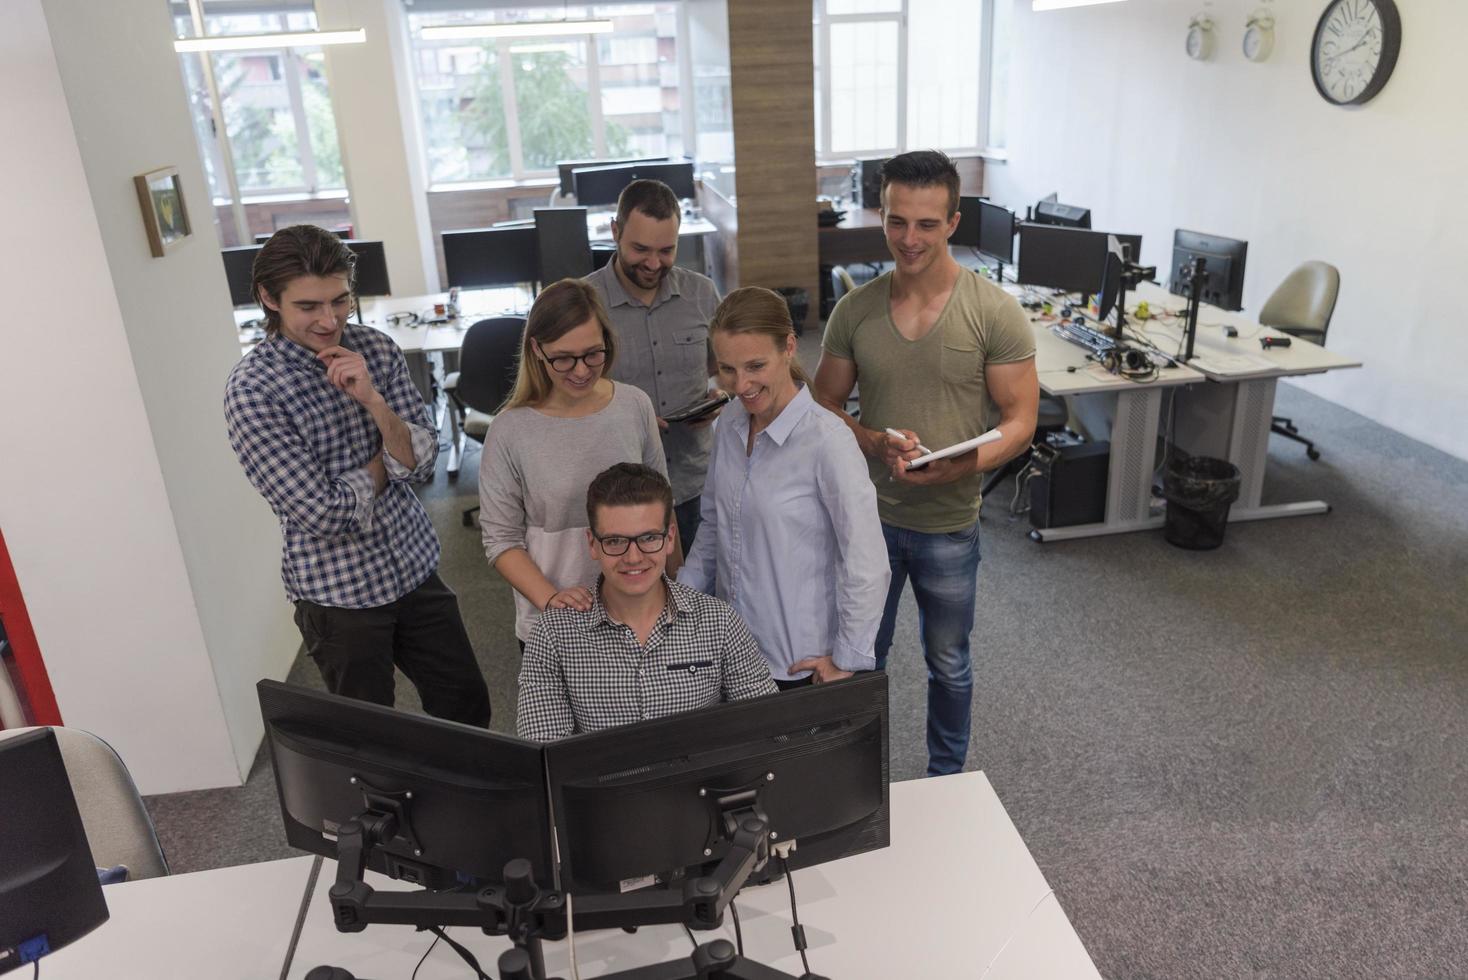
[
  {"x": 1355, "y": 50},
  {"x": 1259, "y": 36},
  {"x": 1200, "y": 38}
]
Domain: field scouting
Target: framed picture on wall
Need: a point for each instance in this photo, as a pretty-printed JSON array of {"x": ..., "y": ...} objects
[{"x": 164, "y": 216}]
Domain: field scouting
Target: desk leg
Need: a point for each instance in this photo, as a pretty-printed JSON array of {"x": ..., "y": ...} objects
[
  {"x": 1129, "y": 474},
  {"x": 456, "y": 441},
  {"x": 1248, "y": 449}
]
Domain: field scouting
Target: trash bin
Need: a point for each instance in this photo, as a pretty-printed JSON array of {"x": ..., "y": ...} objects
[
  {"x": 1199, "y": 491},
  {"x": 798, "y": 302}
]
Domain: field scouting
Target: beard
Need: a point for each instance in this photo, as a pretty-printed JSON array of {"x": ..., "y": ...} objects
[{"x": 637, "y": 275}]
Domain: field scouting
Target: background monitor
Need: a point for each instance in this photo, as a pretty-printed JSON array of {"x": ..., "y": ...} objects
[
  {"x": 483, "y": 257},
  {"x": 649, "y": 799},
  {"x": 239, "y": 270},
  {"x": 600, "y": 186},
  {"x": 676, "y": 174},
  {"x": 866, "y": 181},
  {"x": 478, "y": 798},
  {"x": 967, "y": 232},
  {"x": 1049, "y": 211},
  {"x": 565, "y": 167},
  {"x": 49, "y": 893},
  {"x": 562, "y": 243},
  {"x": 1070, "y": 259},
  {"x": 371, "y": 267},
  {"x": 1224, "y": 266},
  {"x": 1111, "y": 278},
  {"x": 996, "y": 232}
]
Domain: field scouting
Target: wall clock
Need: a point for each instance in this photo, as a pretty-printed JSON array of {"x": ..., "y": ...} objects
[
  {"x": 1355, "y": 50},
  {"x": 1200, "y": 38},
  {"x": 1259, "y": 36}
]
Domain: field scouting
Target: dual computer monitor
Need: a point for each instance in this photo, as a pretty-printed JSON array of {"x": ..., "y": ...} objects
[
  {"x": 1069, "y": 259},
  {"x": 597, "y": 186},
  {"x": 239, "y": 266},
  {"x": 987, "y": 227},
  {"x": 556, "y": 246},
  {"x": 638, "y": 803}
]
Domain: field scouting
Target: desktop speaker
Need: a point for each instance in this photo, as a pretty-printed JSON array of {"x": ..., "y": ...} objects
[{"x": 1068, "y": 484}]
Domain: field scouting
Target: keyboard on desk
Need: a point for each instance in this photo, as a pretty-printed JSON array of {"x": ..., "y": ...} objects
[{"x": 1081, "y": 335}]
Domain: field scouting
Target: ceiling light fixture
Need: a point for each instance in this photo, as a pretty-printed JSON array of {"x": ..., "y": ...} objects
[
  {"x": 247, "y": 42},
  {"x": 552, "y": 28},
  {"x": 1063, "y": 4}
]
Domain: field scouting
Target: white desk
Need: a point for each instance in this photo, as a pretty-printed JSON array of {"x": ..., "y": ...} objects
[
  {"x": 1224, "y": 408},
  {"x": 956, "y": 895}
]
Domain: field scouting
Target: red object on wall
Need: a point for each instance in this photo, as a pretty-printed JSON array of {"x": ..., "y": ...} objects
[{"x": 35, "y": 685}]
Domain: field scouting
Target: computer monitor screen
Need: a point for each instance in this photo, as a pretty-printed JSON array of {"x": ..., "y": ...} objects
[
  {"x": 677, "y": 175},
  {"x": 1224, "y": 266},
  {"x": 468, "y": 801},
  {"x": 1048, "y": 211},
  {"x": 49, "y": 894},
  {"x": 1111, "y": 278},
  {"x": 485, "y": 257},
  {"x": 565, "y": 167},
  {"x": 239, "y": 270},
  {"x": 371, "y": 267},
  {"x": 967, "y": 232},
  {"x": 867, "y": 176},
  {"x": 563, "y": 244},
  {"x": 599, "y": 186},
  {"x": 1071, "y": 259},
  {"x": 646, "y": 802},
  {"x": 996, "y": 232}
]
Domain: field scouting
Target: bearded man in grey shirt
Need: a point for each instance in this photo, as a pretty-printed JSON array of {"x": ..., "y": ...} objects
[{"x": 660, "y": 313}]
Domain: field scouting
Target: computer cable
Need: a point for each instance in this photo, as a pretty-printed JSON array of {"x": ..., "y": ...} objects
[
  {"x": 689, "y": 933},
  {"x": 738, "y": 932},
  {"x": 796, "y": 931},
  {"x": 424, "y": 957},
  {"x": 463, "y": 952}
]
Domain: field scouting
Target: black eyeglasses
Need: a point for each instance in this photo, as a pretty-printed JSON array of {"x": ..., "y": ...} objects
[
  {"x": 615, "y": 545},
  {"x": 566, "y": 363}
]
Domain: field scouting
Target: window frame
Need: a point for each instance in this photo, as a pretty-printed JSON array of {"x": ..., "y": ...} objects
[{"x": 823, "y": 22}]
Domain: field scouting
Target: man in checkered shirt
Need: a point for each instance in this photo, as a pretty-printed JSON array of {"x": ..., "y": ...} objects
[
  {"x": 332, "y": 432},
  {"x": 648, "y": 647}
]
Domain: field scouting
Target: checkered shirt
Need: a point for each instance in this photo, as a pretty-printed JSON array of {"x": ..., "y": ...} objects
[
  {"x": 584, "y": 671},
  {"x": 305, "y": 446}
]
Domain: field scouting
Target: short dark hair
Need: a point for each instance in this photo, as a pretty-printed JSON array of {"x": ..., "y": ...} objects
[
  {"x": 652, "y": 197},
  {"x": 922, "y": 168},
  {"x": 293, "y": 252},
  {"x": 627, "y": 485}
]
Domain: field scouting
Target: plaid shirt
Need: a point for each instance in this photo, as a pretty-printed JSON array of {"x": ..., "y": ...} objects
[
  {"x": 305, "y": 446},
  {"x": 584, "y": 671}
]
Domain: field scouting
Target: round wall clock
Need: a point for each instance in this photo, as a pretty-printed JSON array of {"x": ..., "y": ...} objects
[{"x": 1355, "y": 50}]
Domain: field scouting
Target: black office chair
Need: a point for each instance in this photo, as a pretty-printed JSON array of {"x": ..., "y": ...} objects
[
  {"x": 1051, "y": 417},
  {"x": 488, "y": 362},
  {"x": 1302, "y": 307}
]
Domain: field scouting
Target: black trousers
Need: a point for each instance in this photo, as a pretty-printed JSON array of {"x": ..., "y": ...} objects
[{"x": 420, "y": 634}]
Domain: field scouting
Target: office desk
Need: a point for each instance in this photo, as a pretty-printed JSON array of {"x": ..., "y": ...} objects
[
  {"x": 1224, "y": 408},
  {"x": 956, "y": 895},
  {"x": 858, "y": 237}
]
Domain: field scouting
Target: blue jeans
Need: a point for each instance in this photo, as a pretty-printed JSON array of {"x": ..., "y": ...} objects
[{"x": 944, "y": 570}]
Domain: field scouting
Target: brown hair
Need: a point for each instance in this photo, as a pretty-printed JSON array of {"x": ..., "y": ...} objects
[
  {"x": 755, "y": 309},
  {"x": 627, "y": 485},
  {"x": 922, "y": 168},
  {"x": 300, "y": 250},
  {"x": 652, "y": 197},
  {"x": 560, "y": 308}
]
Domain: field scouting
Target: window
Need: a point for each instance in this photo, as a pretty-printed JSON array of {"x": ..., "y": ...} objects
[
  {"x": 509, "y": 108},
  {"x": 276, "y": 108},
  {"x": 894, "y": 75}
]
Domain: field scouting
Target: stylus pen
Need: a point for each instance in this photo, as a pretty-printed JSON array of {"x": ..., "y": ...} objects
[{"x": 893, "y": 432}]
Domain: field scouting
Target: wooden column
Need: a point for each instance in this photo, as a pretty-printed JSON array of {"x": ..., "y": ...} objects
[{"x": 772, "y": 83}]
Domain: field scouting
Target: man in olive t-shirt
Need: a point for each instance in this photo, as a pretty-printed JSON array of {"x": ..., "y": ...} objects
[{"x": 935, "y": 347}]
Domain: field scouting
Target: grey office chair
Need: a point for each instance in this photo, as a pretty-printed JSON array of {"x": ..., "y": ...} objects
[
  {"x": 1302, "y": 306},
  {"x": 118, "y": 827},
  {"x": 488, "y": 362},
  {"x": 841, "y": 283}
]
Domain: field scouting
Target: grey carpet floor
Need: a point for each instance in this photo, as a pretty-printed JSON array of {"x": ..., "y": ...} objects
[{"x": 1251, "y": 762}]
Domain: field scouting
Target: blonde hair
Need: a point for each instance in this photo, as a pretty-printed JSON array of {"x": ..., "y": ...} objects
[
  {"x": 560, "y": 308},
  {"x": 755, "y": 309}
]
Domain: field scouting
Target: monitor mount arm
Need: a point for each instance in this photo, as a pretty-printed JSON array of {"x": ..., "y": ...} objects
[
  {"x": 1197, "y": 278},
  {"x": 527, "y": 915},
  {"x": 1132, "y": 276}
]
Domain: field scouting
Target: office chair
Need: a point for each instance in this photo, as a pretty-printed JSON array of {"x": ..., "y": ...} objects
[
  {"x": 1302, "y": 306},
  {"x": 119, "y": 830},
  {"x": 841, "y": 283},
  {"x": 1051, "y": 417},
  {"x": 488, "y": 362}
]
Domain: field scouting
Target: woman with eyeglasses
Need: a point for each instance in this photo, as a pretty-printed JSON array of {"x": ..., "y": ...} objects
[
  {"x": 790, "y": 534},
  {"x": 563, "y": 424}
]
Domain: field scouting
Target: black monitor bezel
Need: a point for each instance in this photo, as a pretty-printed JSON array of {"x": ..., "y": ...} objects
[
  {"x": 241, "y": 292},
  {"x": 515, "y": 249},
  {"x": 995, "y": 215}
]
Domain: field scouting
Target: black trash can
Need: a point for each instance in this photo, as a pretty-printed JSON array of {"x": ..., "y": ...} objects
[
  {"x": 798, "y": 302},
  {"x": 1199, "y": 491}
]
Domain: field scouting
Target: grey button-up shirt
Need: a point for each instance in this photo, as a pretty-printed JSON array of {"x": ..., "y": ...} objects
[{"x": 663, "y": 349}]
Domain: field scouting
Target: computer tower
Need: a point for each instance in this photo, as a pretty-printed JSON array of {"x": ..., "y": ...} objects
[
  {"x": 866, "y": 182},
  {"x": 1069, "y": 484}
]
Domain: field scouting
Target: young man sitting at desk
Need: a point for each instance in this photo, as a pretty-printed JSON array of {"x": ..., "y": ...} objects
[
  {"x": 647, "y": 647},
  {"x": 331, "y": 431},
  {"x": 933, "y": 344}
]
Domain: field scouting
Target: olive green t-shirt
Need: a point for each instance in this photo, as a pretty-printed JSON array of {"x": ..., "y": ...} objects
[{"x": 934, "y": 386}]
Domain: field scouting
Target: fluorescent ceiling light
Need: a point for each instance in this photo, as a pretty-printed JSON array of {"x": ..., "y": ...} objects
[
  {"x": 568, "y": 47},
  {"x": 250, "y": 42},
  {"x": 1062, "y": 4},
  {"x": 551, "y": 28}
]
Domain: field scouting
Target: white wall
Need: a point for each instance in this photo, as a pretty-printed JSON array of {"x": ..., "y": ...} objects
[
  {"x": 1107, "y": 109},
  {"x": 150, "y": 567}
]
